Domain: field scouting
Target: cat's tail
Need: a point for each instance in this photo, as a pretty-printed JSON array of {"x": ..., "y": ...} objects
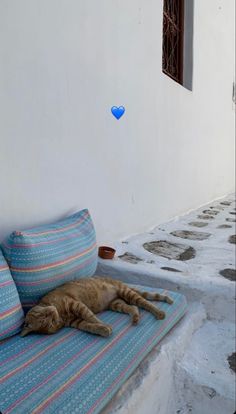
[
  {"x": 154, "y": 296},
  {"x": 146, "y": 295}
]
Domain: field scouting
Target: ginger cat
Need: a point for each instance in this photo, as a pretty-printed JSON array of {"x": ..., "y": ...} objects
[{"x": 76, "y": 303}]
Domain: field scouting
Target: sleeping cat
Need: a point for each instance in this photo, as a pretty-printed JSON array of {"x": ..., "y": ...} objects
[{"x": 76, "y": 303}]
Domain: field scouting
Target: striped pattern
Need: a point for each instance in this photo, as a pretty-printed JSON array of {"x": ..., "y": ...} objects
[
  {"x": 76, "y": 372},
  {"x": 11, "y": 313},
  {"x": 40, "y": 259}
]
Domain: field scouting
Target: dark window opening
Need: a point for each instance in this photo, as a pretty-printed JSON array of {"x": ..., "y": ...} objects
[{"x": 173, "y": 39}]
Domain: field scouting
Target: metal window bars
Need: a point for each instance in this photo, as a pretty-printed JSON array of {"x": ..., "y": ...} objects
[{"x": 172, "y": 47}]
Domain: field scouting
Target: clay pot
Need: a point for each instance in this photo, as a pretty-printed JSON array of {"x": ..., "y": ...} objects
[{"x": 106, "y": 252}]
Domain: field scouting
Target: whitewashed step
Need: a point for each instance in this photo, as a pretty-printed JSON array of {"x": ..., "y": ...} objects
[{"x": 208, "y": 383}]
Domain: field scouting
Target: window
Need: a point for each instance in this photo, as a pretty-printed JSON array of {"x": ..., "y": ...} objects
[{"x": 173, "y": 39}]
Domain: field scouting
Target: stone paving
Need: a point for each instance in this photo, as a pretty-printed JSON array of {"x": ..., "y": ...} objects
[
  {"x": 195, "y": 254},
  {"x": 179, "y": 246}
]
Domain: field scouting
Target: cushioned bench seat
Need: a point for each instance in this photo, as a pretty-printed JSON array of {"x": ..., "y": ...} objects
[{"x": 76, "y": 372}]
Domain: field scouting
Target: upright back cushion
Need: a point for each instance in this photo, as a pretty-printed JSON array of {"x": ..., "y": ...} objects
[
  {"x": 11, "y": 313},
  {"x": 45, "y": 257}
]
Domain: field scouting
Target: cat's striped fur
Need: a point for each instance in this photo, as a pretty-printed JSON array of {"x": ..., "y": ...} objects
[{"x": 76, "y": 304}]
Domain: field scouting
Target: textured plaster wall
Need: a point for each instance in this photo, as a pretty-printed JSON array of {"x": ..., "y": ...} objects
[{"x": 64, "y": 63}]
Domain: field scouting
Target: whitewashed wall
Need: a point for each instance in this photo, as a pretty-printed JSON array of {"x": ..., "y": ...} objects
[{"x": 64, "y": 63}]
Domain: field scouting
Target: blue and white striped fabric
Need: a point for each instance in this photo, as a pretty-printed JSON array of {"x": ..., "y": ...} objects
[
  {"x": 42, "y": 258},
  {"x": 74, "y": 372},
  {"x": 11, "y": 313}
]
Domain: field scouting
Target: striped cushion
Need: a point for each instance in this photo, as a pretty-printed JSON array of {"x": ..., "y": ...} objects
[
  {"x": 42, "y": 258},
  {"x": 76, "y": 372},
  {"x": 11, "y": 313}
]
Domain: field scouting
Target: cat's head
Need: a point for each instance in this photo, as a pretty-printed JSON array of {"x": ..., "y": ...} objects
[{"x": 42, "y": 319}]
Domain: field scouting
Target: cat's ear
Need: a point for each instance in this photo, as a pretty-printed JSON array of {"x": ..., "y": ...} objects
[
  {"x": 26, "y": 330},
  {"x": 38, "y": 309},
  {"x": 50, "y": 310},
  {"x": 44, "y": 311}
]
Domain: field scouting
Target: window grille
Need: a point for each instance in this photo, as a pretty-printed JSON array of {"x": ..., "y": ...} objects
[{"x": 172, "y": 48}]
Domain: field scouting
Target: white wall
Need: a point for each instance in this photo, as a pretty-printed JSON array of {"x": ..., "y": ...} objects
[{"x": 64, "y": 63}]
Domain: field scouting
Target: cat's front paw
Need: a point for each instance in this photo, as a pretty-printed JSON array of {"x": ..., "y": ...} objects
[
  {"x": 105, "y": 330},
  {"x": 135, "y": 319},
  {"x": 160, "y": 314},
  {"x": 168, "y": 300}
]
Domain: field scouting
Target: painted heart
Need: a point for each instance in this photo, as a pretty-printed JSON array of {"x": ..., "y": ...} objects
[{"x": 117, "y": 112}]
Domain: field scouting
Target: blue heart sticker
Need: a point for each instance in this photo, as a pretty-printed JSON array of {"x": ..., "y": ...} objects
[{"x": 117, "y": 112}]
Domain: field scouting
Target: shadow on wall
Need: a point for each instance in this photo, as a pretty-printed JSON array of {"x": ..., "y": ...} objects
[{"x": 188, "y": 44}]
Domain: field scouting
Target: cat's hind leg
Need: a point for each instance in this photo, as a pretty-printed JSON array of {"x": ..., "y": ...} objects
[
  {"x": 154, "y": 296},
  {"x": 119, "y": 305},
  {"x": 134, "y": 298},
  {"x": 81, "y": 311},
  {"x": 92, "y": 327}
]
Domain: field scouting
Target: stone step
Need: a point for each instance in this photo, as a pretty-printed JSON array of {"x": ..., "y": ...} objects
[{"x": 204, "y": 380}]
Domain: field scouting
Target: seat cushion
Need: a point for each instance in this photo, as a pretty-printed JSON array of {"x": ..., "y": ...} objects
[
  {"x": 11, "y": 313},
  {"x": 77, "y": 372},
  {"x": 42, "y": 258}
]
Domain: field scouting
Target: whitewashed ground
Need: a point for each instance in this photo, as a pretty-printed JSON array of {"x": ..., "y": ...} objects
[{"x": 194, "y": 371}]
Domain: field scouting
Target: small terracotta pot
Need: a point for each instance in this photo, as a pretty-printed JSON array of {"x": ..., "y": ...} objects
[{"x": 106, "y": 252}]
